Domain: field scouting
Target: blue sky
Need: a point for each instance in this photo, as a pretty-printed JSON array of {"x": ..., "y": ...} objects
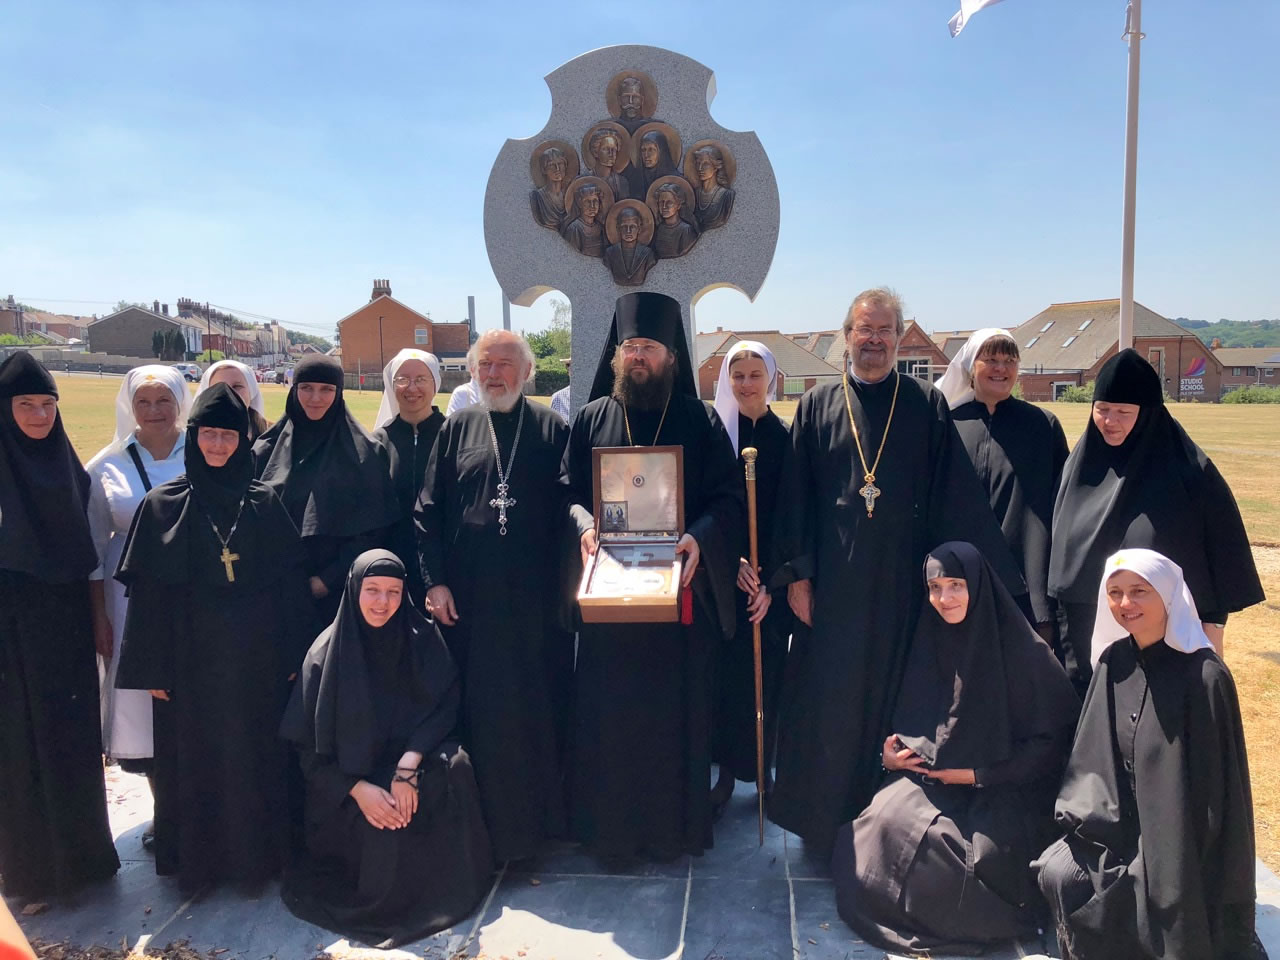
[{"x": 276, "y": 157}]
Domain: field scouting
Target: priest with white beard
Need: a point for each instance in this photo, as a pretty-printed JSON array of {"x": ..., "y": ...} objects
[{"x": 491, "y": 522}]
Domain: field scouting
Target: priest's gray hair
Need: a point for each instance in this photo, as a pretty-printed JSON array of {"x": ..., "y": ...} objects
[
  {"x": 886, "y": 298},
  {"x": 491, "y": 337}
]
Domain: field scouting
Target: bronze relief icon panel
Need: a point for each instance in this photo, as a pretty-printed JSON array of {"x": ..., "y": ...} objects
[
  {"x": 553, "y": 166},
  {"x": 632, "y": 193}
]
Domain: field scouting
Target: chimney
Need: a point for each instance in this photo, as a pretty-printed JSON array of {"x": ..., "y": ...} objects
[
  {"x": 164, "y": 308},
  {"x": 381, "y": 288},
  {"x": 471, "y": 313},
  {"x": 155, "y": 306}
]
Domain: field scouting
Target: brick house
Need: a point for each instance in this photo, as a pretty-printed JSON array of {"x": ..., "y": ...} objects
[
  {"x": 1066, "y": 345},
  {"x": 918, "y": 355},
  {"x": 384, "y": 326},
  {"x": 798, "y": 369},
  {"x": 127, "y": 332},
  {"x": 1247, "y": 366}
]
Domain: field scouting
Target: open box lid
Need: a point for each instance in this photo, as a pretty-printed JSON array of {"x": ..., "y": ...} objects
[{"x": 639, "y": 491}]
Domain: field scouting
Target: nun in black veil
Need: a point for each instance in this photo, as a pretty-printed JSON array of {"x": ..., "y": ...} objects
[
  {"x": 54, "y": 835},
  {"x": 940, "y": 859},
  {"x": 334, "y": 479},
  {"x": 1135, "y": 479},
  {"x": 215, "y": 629},
  {"x": 396, "y": 843}
]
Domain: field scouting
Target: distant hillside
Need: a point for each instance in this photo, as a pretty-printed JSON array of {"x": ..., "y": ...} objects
[{"x": 1235, "y": 333}]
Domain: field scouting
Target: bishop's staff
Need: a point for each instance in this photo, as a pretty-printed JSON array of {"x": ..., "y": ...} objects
[{"x": 749, "y": 455}]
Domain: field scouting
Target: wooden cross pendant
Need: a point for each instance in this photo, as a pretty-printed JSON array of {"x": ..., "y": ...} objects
[
  {"x": 227, "y": 558},
  {"x": 502, "y": 501},
  {"x": 869, "y": 492}
]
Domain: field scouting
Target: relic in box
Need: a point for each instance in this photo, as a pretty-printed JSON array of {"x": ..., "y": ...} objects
[{"x": 634, "y": 575}]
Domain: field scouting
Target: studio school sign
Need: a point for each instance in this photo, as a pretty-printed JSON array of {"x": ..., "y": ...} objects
[{"x": 1193, "y": 376}]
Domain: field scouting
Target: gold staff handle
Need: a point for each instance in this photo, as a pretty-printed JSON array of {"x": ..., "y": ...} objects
[{"x": 749, "y": 455}]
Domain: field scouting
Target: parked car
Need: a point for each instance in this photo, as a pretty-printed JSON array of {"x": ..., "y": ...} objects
[{"x": 190, "y": 371}]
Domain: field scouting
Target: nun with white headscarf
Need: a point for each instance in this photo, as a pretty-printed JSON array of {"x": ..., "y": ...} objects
[
  {"x": 1158, "y": 854},
  {"x": 147, "y": 450},
  {"x": 1018, "y": 451},
  {"x": 407, "y": 424},
  {"x": 241, "y": 379},
  {"x": 748, "y": 378}
]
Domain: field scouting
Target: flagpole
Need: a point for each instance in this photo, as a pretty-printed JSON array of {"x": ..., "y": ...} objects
[{"x": 1132, "y": 33}]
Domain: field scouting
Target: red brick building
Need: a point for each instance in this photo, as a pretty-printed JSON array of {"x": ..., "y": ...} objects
[
  {"x": 1247, "y": 366},
  {"x": 384, "y": 326},
  {"x": 1067, "y": 344}
]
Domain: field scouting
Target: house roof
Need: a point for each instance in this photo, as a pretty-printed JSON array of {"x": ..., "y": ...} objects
[
  {"x": 793, "y": 359},
  {"x": 1248, "y": 356},
  {"x": 175, "y": 320},
  {"x": 707, "y": 344},
  {"x": 1074, "y": 336},
  {"x": 384, "y": 296}
]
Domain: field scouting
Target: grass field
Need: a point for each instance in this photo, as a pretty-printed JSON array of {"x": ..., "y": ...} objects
[{"x": 1243, "y": 440}]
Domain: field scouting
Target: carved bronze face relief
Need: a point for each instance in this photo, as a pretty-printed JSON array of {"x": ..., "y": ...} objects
[
  {"x": 588, "y": 200},
  {"x": 632, "y": 99},
  {"x": 710, "y": 167},
  {"x": 655, "y": 153},
  {"x": 553, "y": 165},
  {"x": 629, "y": 256},
  {"x": 672, "y": 203},
  {"x": 632, "y": 194}
]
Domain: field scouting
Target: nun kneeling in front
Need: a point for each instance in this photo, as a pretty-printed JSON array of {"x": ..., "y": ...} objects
[
  {"x": 396, "y": 843},
  {"x": 939, "y": 860},
  {"x": 1158, "y": 858}
]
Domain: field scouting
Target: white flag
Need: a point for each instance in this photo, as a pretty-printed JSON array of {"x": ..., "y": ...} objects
[{"x": 967, "y": 9}]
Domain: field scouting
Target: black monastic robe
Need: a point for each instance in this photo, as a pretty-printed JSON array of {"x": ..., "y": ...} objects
[
  {"x": 735, "y": 735},
  {"x": 644, "y": 694},
  {"x": 842, "y": 676},
  {"x": 509, "y": 642},
  {"x": 225, "y": 651},
  {"x": 409, "y": 448},
  {"x": 1158, "y": 858},
  {"x": 54, "y": 834},
  {"x": 1018, "y": 453}
]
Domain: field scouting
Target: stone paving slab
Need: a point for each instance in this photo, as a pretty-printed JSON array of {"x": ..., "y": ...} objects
[{"x": 739, "y": 901}]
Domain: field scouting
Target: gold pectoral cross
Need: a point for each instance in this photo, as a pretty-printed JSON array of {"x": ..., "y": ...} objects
[
  {"x": 869, "y": 492},
  {"x": 227, "y": 558}
]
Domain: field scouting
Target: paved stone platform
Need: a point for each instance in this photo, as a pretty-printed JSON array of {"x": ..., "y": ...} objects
[{"x": 739, "y": 901}]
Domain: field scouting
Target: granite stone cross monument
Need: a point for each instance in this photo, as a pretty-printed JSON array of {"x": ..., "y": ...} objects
[{"x": 631, "y": 185}]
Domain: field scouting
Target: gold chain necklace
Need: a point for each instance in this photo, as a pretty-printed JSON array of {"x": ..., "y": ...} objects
[
  {"x": 870, "y": 491},
  {"x": 627, "y": 422}
]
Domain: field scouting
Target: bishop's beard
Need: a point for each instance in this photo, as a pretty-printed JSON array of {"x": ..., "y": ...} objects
[{"x": 650, "y": 395}]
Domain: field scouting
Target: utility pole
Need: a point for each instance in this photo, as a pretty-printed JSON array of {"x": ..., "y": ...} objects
[{"x": 1132, "y": 33}]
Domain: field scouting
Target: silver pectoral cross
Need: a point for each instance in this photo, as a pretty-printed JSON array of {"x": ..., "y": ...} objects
[
  {"x": 502, "y": 501},
  {"x": 869, "y": 492}
]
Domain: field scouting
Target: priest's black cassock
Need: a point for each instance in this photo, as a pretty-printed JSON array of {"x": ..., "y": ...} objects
[
  {"x": 54, "y": 836},
  {"x": 842, "y": 676},
  {"x": 223, "y": 649},
  {"x": 735, "y": 740},
  {"x": 1018, "y": 453},
  {"x": 409, "y": 447},
  {"x": 642, "y": 728},
  {"x": 509, "y": 641},
  {"x": 334, "y": 479}
]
